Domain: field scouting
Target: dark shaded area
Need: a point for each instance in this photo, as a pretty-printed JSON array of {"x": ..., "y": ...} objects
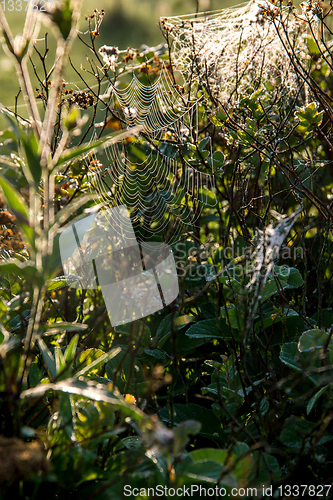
[{"x": 124, "y": 31}]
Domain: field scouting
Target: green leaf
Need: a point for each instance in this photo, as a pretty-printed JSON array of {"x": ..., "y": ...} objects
[
  {"x": 27, "y": 270},
  {"x": 208, "y": 471},
  {"x": 209, "y": 328},
  {"x": 207, "y": 198},
  {"x": 210, "y": 424},
  {"x": 181, "y": 321},
  {"x": 156, "y": 353},
  {"x": 35, "y": 375},
  {"x": 31, "y": 148},
  {"x": 313, "y": 339},
  {"x": 271, "y": 289},
  {"x": 219, "y": 118},
  {"x": 47, "y": 358},
  {"x": 326, "y": 318},
  {"x": 203, "y": 454},
  {"x": 59, "y": 360},
  {"x": 299, "y": 361},
  {"x": 164, "y": 331},
  {"x": 4, "y": 334},
  {"x": 181, "y": 433},
  {"x": 135, "y": 154},
  {"x": 297, "y": 432},
  {"x": 308, "y": 117},
  {"x": 106, "y": 141},
  {"x": 17, "y": 205},
  {"x": 71, "y": 349},
  {"x": 14, "y": 121},
  {"x": 185, "y": 344},
  {"x": 61, "y": 282},
  {"x": 70, "y": 120},
  {"x": 52, "y": 328},
  {"x": 286, "y": 327},
  {"x": 239, "y": 472},
  {"x": 315, "y": 398},
  {"x": 266, "y": 470},
  {"x": 218, "y": 161},
  {"x": 62, "y": 17},
  {"x": 164, "y": 328},
  {"x": 203, "y": 144},
  {"x": 288, "y": 277},
  {"x": 97, "y": 358},
  {"x": 289, "y": 356},
  {"x": 235, "y": 316},
  {"x": 141, "y": 331},
  {"x": 294, "y": 278},
  {"x": 221, "y": 115},
  {"x": 7, "y": 135},
  {"x": 312, "y": 45},
  {"x": 14, "y": 200},
  {"x": 90, "y": 390},
  {"x": 188, "y": 427},
  {"x": 133, "y": 443},
  {"x": 253, "y": 104}
]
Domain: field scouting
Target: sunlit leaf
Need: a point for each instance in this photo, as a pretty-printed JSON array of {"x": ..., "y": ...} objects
[{"x": 104, "y": 142}]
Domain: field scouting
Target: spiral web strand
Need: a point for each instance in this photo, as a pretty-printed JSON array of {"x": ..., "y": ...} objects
[{"x": 152, "y": 177}]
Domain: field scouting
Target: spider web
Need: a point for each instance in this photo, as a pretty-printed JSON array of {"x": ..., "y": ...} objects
[
  {"x": 236, "y": 49},
  {"x": 152, "y": 176},
  {"x": 153, "y": 107},
  {"x": 266, "y": 251}
]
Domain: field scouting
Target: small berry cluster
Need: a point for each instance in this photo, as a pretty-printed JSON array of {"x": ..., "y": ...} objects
[
  {"x": 153, "y": 69},
  {"x": 10, "y": 239},
  {"x": 131, "y": 54},
  {"x": 82, "y": 99},
  {"x": 43, "y": 90}
]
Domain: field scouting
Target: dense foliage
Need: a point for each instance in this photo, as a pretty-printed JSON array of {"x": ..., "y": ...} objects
[{"x": 231, "y": 384}]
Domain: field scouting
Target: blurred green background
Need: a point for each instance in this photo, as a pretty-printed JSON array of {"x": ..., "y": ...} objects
[{"x": 127, "y": 23}]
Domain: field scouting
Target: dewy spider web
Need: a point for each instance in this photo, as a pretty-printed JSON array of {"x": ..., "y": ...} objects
[
  {"x": 236, "y": 49},
  {"x": 152, "y": 177},
  {"x": 266, "y": 250},
  {"x": 154, "y": 107}
]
